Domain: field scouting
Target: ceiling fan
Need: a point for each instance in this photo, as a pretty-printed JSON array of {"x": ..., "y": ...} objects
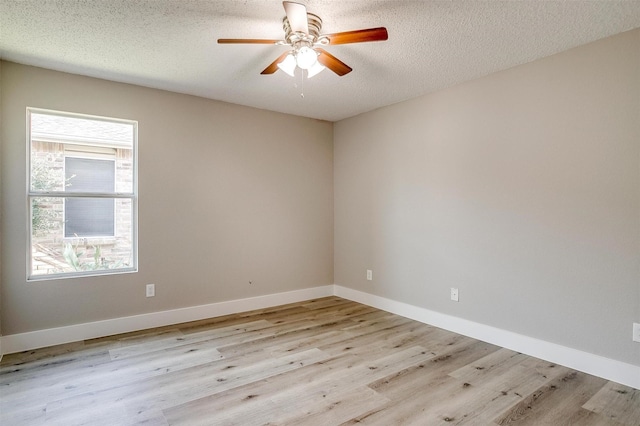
[{"x": 302, "y": 33}]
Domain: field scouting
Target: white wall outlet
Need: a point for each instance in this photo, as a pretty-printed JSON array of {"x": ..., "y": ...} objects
[
  {"x": 454, "y": 294},
  {"x": 636, "y": 332},
  {"x": 369, "y": 274},
  {"x": 151, "y": 290}
]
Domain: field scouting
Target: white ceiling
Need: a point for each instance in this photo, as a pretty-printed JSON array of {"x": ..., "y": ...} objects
[{"x": 171, "y": 45}]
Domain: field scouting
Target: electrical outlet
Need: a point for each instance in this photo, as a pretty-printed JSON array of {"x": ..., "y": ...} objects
[
  {"x": 454, "y": 294},
  {"x": 636, "y": 332},
  {"x": 151, "y": 290},
  {"x": 369, "y": 274}
]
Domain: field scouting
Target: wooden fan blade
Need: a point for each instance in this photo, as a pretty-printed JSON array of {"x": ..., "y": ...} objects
[
  {"x": 333, "y": 63},
  {"x": 358, "y": 36},
  {"x": 297, "y": 16},
  {"x": 246, "y": 41},
  {"x": 273, "y": 67}
]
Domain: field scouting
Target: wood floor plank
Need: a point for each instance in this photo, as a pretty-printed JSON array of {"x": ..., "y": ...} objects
[
  {"x": 31, "y": 415},
  {"x": 271, "y": 316},
  {"x": 370, "y": 339},
  {"x": 285, "y": 310},
  {"x": 455, "y": 402},
  {"x": 366, "y": 326},
  {"x": 81, "y": 383},
  {"x": 281, "y": 334},
  {"x": 435, "y": 340},
  {"x": 183, "y": 386},
  {"x": 374, "y": 316},
  {"x": 509, "y": 372},
  {"x": 332, "y": 409},
  {"x": 344, "y": 311},
  {"x": 242, "y": 336},
  {"x": 134, "y": 337},
  {"x": 14, "y": 371},
  {"x": 297, "y": 312},
  {"x": 412, "y": 380},
  {"x": 288, "y": 312},
  {"x": 320, "y": 362},
  {"x": 258, "y": 399},
  {"x": 123, "y": 351},
  {"x": 558, "y": 402},
  {"x": 104, "y": 414},
  {"x": 617, "y": 402},
  {"x": 333, "y": 384},
  {"x": 326, "y": 302},
  {"x": 42, "y": 355},
  {"x": 308, "y": 341},
  {"x": 76, "y": 380}
]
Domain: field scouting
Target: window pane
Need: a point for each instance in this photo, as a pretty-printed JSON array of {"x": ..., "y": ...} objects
[
  {"x": 89, "y": 217},
  {"x": 53, "y": 254},
  {"x": 89, "y": 175},
  {"x": 52, "y": 136}
]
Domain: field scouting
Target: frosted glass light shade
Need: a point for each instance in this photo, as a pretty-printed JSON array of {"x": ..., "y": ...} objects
[
  {"x": 315, "y": 69},
  {"x": 288, "y": 65},
  {"x": 306, "y": 57}
]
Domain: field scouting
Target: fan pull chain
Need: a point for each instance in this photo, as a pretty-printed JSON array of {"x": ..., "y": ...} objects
[{"x": 301, "y": 83}]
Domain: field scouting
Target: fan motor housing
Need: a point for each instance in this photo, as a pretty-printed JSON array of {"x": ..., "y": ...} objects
[{"x": 315, "y": 25}]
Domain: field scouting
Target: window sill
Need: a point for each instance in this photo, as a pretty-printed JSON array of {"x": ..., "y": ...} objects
[{"x": 81, "y": 274}]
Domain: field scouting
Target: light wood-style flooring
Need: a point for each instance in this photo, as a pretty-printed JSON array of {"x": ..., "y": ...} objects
[{"x": 323, "y": 362}]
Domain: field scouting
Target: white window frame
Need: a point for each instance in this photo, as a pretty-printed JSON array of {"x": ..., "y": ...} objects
[{"x": 133, "y": 196}]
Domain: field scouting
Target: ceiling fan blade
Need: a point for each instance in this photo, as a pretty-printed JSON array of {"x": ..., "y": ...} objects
[
  {"x": 358, "y": 36},
  {"x": 246, "y": 41},
  {"x": 333, "y": 63},
  {"x": 273, "y": 67},
  {"x": 297, "y": 16}
]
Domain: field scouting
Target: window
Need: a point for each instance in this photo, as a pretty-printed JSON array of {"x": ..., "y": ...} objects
[{"x": 82, "y": 194}]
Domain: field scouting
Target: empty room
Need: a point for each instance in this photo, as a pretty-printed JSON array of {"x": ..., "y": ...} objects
[{"x": 320, "y": 212}]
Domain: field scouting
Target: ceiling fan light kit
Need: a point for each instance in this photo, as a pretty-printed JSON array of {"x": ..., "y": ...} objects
[
  {"x": 288, "y": 65},
  {"x": 302, "y": 34}
]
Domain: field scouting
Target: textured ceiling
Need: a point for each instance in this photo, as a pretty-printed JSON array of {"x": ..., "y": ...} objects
[{"x": 171, "y": 45}]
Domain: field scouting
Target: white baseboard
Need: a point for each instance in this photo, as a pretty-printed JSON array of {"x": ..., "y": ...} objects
[
  {"x": 606, "y": 368},
  {"x": 55, "y": 336},
  {"x": 596, "y": 365}
]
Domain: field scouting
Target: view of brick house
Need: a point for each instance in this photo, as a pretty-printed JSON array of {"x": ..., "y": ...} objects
[{"x": 72, "y": 158}]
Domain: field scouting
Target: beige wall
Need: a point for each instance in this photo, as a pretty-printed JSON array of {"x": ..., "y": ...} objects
[
  {"x": 228, "y": 195},
  {"x": 522, "y": 189}
]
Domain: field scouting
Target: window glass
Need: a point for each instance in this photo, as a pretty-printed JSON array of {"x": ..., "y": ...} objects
[{"x": 82, "y": 193}]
